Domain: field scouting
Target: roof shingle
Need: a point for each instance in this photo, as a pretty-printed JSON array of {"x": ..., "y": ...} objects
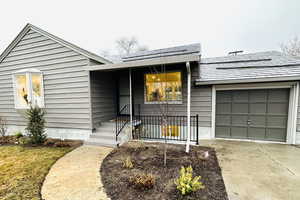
[{"x": 248, "y": 66}]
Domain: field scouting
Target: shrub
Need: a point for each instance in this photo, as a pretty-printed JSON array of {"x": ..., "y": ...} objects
[
  {"x": 24, "y": 140},
  {"x": 3, "y": 126},
  {"x": 142, "y": 181},
  {"x": 186, "y": 183},
  {"x": 36, "y": 125},
  {"x": 18, "y": 134},
  {"x": 127, "y": 163}
]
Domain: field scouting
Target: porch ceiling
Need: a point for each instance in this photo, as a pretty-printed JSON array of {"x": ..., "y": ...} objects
[{"x": 146, "y": 62}]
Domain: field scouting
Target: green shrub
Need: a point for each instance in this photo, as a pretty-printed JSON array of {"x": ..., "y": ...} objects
[
  {"x": 142, "y": 181},
  {"x": 18, "y": 134},
  {"x": 36, "y": 125},
  {"x": 186, "y": 183},
  {"x": 127, "y": 162},
  {"x": 24, "y": 140}
]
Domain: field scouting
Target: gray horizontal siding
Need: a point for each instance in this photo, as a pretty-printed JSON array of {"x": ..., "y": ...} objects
[
  {"x": 103, "y": 97},
  {"x": 65, "y": 82}
]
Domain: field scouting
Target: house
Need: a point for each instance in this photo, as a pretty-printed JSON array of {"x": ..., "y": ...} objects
[{"x": 245, "y": 96}]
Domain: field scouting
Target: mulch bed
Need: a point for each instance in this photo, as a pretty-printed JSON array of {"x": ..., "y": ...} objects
[
  {"x": 148, "y": 158},
  {"x": 50, "y": 142}
]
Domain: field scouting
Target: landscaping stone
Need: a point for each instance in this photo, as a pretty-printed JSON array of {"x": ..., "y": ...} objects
[{"x": 76, "y": 176}]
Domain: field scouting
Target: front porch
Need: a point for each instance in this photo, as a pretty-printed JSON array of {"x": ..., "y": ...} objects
[
  {"x": 145, "y": 102},
  {"x": 124, "y": 104}
]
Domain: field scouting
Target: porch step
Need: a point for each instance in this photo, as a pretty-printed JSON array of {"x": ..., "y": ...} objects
[
  {"x": 104, "y": 136},
  {"x": 108, "y": 124},
  {"x": 105, "y": 129}
]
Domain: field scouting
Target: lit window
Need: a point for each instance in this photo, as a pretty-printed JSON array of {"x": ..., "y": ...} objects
[
  {"x": 28, "y": 89},
  {"x": 163, "y": 88}
]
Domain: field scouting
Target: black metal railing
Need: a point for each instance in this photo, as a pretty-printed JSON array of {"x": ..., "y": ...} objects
[
  {"x": 168, "y": 127},
  {"x": 157, "y": 127},
  {"x": 122, "y": 118}
]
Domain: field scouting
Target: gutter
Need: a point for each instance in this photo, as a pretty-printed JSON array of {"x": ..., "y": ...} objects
[{"x": 251, "y": 80}]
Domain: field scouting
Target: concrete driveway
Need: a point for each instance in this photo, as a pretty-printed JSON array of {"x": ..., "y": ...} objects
[{"x": 258, "y": 171}]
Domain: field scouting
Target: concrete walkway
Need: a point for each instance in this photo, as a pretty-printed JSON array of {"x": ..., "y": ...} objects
[
  {"x": 76, "y": 176},
  {"x": 257, "y": 171}
]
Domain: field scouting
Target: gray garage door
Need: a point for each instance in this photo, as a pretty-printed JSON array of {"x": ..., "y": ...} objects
[{"x": 252, "y": 114}]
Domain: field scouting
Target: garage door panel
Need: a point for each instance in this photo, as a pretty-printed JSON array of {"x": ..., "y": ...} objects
[
  {"x": 223, "y": 96},
  {"x": 223, "y": 120},
  {"x": 239, "y": 132},
  {"x": 276, "y": 134},
  {"x": 277, "y": 108},
  {"x": 258, "y": 108},
  {"x": 239, "y": 120},
  {"x": 278, "y": 95},
  {"x": 258, "y": 96},
  {"x": 252, "y": 114},
  {"x": 277, "y": 121},
  {"x": 223, "y": 108},
  {"x": 223, "y": 132},
  {"x": 239, "y": 96},
  {"x": 257, "y": 121},
  {"x": 240, "y": 108},
  {"x": 257, "y": 133}
]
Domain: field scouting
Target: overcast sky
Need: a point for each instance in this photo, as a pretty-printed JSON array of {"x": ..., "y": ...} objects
[{"x": 220, "y": 26}]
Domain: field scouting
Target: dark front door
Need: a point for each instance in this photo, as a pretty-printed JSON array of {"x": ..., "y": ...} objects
[
  {"x": 124, "y": 94},
  {"x": 252, "y": 114}
]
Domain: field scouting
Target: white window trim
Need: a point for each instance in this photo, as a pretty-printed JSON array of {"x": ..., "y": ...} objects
[
  {"x": 169, "y": 102},
  {"x": 28, "y": 73}
]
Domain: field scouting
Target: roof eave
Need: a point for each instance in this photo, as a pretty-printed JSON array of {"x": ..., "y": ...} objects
[
  {"x": 146, "y": 62},
  {"x": 251, "y": 80}
]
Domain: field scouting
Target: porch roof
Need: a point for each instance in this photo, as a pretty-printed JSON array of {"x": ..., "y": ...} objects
[{"x": 147, "y": 62}]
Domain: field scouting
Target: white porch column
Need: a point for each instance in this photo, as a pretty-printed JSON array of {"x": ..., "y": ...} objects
[
  {"x": 130, "y": 103},
  {"x": 188, "y": 106}
]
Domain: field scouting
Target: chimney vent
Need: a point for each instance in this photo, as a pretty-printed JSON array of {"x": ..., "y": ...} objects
[{"x": 234, "y": 53}]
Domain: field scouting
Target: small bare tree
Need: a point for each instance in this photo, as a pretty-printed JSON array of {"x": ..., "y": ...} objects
[
  {"x": 128, "y": 45},
  {"x": 164, "y": 110},
  {"x": 292, "y": 48},
  {"x": 3, "y": 126}
]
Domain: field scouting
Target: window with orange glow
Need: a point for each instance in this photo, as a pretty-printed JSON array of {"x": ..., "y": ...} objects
[
  {"x": 28, "y": 88},
  {"x": 163, "y": 87}
]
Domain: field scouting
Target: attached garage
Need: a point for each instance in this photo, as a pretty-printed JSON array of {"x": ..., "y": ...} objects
[{"x": 255, "y": 114}]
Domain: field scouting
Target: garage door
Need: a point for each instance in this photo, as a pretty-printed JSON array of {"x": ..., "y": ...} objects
[{"x": 252, "y": 114}]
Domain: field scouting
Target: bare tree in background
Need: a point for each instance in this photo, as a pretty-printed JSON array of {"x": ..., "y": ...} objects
[
  {"x": 124, "y": 46},
  {"x": 292, "y": 48},
  {"x": 128, "y": 45}
]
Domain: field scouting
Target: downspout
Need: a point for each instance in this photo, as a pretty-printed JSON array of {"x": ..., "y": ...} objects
[
  {"x": 130, "y": 102},
  {"x": 188, "y": 68},
  {"x": 296, "y": 113}
]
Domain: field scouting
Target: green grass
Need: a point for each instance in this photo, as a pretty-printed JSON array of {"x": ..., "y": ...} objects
[{"x": 23, "y": 170}]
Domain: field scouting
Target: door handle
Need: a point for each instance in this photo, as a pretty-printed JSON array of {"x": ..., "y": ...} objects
[{"x": 248, "y": 122}]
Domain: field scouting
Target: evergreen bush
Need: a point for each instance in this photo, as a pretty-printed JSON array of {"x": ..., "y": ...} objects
[{"x": 36, "y": 125}]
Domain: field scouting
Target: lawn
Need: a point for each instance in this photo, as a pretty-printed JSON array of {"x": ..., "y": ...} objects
[
  {"x": 148, "y": 158},
  {"x": 23, "y": 170}
]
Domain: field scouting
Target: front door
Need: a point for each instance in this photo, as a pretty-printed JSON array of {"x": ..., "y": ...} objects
[
  {"x": 252, "y": 114},
  {"x": 124, "y": 95}
]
